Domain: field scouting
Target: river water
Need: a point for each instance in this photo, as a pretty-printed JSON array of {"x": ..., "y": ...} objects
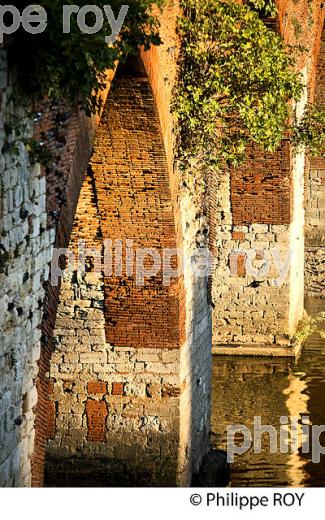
[{"x": 270, "y": 388}]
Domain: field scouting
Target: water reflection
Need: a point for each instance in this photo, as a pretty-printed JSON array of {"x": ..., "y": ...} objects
[{"x": 271, "y": 388}]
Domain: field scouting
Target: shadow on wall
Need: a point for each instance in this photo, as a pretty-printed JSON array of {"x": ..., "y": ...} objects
[{"x": 90, "y": 469}]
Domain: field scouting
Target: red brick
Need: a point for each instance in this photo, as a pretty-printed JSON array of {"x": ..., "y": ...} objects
[
  {"x": 241, "y": 266},
  {"x": 238, "y": 235},
  {"x": 96, "y": 412},
  {"x": 51, "y": 420},
  {"x": 97, "y": 387},
  {"x": 118, "y": 388}
]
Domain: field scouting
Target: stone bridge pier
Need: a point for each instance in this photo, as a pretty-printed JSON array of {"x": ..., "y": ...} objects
[{"x": 130, "y": 377}]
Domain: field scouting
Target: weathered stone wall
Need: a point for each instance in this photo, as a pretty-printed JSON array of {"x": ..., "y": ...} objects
[
  {"x": 315, "y": 199},
  {"x": 26, "y": 248},
  {"x": 130, "y": 393},
  {"x": 115, "y": 409}
]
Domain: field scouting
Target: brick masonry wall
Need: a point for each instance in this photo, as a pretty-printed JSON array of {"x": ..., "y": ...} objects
[
  {"x": 26, "y": 248},
  {"x": 260, "y": 190},
  {"x": 134, "y": 202},
  {"x": 122, "y": 389}
]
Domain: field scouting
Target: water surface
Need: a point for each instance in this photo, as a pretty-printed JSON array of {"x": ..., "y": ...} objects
[{"x": 244, "y": 387}]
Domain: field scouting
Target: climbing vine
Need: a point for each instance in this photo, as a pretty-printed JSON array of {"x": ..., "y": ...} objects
[
  {"x": 309, "y": 130},
  {"x": 237, "y": 84}
]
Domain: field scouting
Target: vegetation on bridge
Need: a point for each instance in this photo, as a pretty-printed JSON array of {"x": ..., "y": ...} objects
[
  {"x": 238, "y": 81},
  {"x": 238, "y": 84}
]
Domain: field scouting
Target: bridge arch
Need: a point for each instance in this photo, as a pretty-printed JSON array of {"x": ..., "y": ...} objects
[{"x": 129, "y": 396}]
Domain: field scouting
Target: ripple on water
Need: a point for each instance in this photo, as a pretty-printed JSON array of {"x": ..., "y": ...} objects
[{"x": 271, "y": 388}]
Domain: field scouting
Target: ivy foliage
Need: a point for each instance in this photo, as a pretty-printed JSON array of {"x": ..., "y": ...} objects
[
  {"x": 237, "y": 82},
  {"x": 73, "y": 66},
  {"x": 264, "y": 8},
  {"x": 309, "y": 131}
]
